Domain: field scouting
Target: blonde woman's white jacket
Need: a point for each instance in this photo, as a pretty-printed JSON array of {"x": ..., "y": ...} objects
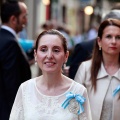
[{"x": 96, "y": 98}]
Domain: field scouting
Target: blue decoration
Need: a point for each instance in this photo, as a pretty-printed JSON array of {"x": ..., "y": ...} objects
[
  {"x": 116, "y": 90},
  {"x": 78, "y": 98},
  {"x": 26, "y": 44}
]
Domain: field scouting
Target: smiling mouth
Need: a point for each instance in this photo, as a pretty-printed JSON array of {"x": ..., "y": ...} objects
[{"x": 49, "y": 64}]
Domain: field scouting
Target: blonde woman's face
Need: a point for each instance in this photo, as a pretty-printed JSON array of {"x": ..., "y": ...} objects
[{"x": 110, "y": 42}]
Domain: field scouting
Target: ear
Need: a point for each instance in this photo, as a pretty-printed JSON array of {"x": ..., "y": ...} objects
[
  {"x": 99, "y": 41},
  {"x": 13, "y": 20},
  {"x": 66, "y": 56}
]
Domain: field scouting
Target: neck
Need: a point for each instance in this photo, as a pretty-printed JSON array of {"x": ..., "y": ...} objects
[
  {"x": 111, "y": 60},
  {"x": 50, "y": 80},
  {"x": 111, "y": 64},
  {"x": 10, "y": 25},
  {"x": 53, "y": 85}
]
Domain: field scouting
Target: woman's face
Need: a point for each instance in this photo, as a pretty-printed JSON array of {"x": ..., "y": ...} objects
[
  {"x": 110, "y": 42},
  {"x": 50, "y": 54}
]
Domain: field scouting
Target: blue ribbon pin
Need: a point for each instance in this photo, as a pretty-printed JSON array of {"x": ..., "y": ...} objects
[
  {"x": 80, "y": 99},
  {"x": 116, "y": 90}
]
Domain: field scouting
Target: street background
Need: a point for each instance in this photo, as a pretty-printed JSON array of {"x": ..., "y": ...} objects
[{"x": 79, "y": 19}]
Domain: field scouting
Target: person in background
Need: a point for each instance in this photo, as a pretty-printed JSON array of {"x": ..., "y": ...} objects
[
  {"x": 66, "y": 32},
  {"x": 52, "y": 96},
  {"x": 112, "y": 14},
  {"x": 101, "y": 74},
  {"x": 83, "y": 50},
  {"x": 92, "y": 33},
  {"x": 14, "y": 67}
]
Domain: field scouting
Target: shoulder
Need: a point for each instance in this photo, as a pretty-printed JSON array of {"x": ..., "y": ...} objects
[
  {"x": 83, "y": 69},
  {"x": 6, "y": 34},
  {"x": 85, "y": 43},
  {"x": 28, "y": 83},
  {"x": 88, "y": 44},
  {"x": 77, "y": 48},
  {"x": 7, "y": 39},
  {"x": 86, "y": 63},
  {"x": 79, "y": 88},
  {"x": 80, "y": 45}
]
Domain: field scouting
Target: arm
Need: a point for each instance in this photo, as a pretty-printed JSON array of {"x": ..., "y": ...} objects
[
  {"x": 11, "y": 71},
  {"x": 17, "y": 109},
  {"x": 87, "y": 111},
  {"x": 80, "y": 75}
]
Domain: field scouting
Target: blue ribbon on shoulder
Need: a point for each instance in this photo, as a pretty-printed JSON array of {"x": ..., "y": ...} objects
[
  {"x": 116, "y": 90},
  {"x": 80, "y": 99}
]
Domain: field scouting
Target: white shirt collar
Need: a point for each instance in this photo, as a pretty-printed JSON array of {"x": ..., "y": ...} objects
[
  {"x": 9, "y": 29},
  {"x": 102, "y": 73}
]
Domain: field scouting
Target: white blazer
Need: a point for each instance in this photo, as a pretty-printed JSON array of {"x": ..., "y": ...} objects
[{"x": 103, "y": 80}]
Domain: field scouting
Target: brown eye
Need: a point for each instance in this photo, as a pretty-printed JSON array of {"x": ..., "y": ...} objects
[
  {"x": 109, "y": 36},
  {"x": 56, "y": 50},
  {"x": 117, "y": 37},
  {"x": 43, "y": 49}
]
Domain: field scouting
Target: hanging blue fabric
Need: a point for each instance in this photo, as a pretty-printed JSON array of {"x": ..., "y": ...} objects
[
  {"x": 80, "y": 99},
  {"x": 116, "y": 90}
]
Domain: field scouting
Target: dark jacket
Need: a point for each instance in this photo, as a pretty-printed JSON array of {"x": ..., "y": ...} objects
[
  {"x": 82, "y": 52},
  {"x": 14, "y": 69}
]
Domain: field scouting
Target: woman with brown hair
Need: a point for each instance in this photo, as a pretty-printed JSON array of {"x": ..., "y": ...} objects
[
  {"x": 51, "y": 96},
  {"x": 101, "y": 74}
]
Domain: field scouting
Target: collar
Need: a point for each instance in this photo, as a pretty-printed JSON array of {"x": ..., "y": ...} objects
[
  {"x": 117, "y": 74},
  {"x": 9, "y": 29},
  {"x": 102, "y": 73}
]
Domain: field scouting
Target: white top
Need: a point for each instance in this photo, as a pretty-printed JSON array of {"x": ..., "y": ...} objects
[
  {"x": 107, "y": 108},
  {"x": 103, "y": 105},
  {"x": 30, "y": 104}
]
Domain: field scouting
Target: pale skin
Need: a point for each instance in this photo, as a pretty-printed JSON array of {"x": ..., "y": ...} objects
[
  {"x": 50, "y": 57},
  {"x": 110, "y": 44}
]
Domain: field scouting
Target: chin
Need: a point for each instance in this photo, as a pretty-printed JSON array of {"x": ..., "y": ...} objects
[{"x": 50, "y": 71}]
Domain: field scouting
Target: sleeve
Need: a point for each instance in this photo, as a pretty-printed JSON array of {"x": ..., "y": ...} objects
[
  {"x": 11, "y": 71},
  {"x": 17, "y": 112},
  {"x": 86, "y": 115},
  {"x": 80, "y": 75}
]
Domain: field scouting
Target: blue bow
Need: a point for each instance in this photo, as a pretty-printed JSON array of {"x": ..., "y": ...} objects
[
  {"x": 80, "y": 99},
  {"x": 116, "y": 90}
]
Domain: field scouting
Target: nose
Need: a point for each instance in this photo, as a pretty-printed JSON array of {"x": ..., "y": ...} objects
[
  {"x": 49, "y": 55},
  {"x": 114, "y": 40}
]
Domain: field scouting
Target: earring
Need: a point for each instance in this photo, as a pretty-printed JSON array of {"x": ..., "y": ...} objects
[
  {"x": 66, "y": 70},
  {"x": 64, "y": 65},
  {"x": 35, "y": 61},
  {"x": 100, "y": 47}
]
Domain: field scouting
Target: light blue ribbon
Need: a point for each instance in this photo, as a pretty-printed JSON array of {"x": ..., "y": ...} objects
[
  {"x": 116, "y": 90},
  {"x": 80, "y": 99}
]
